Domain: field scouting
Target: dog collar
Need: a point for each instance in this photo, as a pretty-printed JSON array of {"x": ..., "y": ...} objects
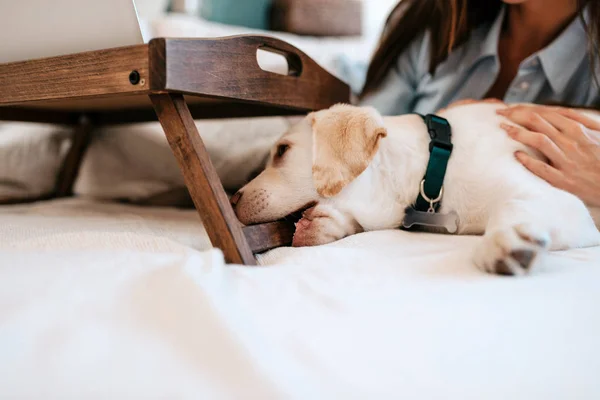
[
  {"x": 440, "y": 149},
  {"x": 424, "y": 211}
]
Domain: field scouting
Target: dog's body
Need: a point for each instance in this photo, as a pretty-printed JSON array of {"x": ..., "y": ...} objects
[{"x": 363, "y": 170}]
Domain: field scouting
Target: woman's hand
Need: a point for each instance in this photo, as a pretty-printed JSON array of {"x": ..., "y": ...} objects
[{"x": 568, "y": 139}]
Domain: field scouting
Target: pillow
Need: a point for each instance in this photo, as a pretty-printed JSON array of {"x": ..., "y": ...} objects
[
  {"x": 135, "y": 162},
  {"x": 31, "y": 156},
  {"x": 248, "y": 13},
  {"x": 318, "y": 17},
  {"x": 190, "y": 7}
]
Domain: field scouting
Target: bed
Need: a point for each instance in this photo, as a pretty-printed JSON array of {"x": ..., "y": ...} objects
[
  {"x": 130, "y": 302},
  {"x": 106, "y": 300}
]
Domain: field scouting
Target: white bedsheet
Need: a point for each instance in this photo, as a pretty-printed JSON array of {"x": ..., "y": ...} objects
[{"x": 112, "y": 301}]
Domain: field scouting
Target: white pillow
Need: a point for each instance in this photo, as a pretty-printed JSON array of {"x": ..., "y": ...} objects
[
  {"x": 31, "y": 156},
  {"x": 134, "y": 162}
]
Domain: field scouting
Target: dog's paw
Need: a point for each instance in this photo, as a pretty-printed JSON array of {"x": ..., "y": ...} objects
[
  {"x": 512, "y": 251},
  {"x": 321, "y": 225}
]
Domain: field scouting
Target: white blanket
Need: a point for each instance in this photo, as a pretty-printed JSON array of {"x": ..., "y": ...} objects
[{"x": 110, "y": 301}]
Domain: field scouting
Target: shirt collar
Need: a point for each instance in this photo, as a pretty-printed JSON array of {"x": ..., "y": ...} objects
[{"x": 561, "y": 58}]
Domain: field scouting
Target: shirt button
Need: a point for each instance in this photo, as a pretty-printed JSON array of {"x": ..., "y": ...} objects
[{"x": 524, "y": 85}]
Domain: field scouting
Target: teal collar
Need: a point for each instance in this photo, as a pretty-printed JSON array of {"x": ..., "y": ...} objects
[
  {"x": 424, "y": 212},
  {"x": 440, "y": 149}
]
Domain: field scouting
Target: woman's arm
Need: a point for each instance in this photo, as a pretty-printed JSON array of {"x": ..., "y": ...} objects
[{"x": 570, "y": 141}]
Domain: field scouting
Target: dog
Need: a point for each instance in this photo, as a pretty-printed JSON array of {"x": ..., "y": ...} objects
[{"x": 350, "y": 170}]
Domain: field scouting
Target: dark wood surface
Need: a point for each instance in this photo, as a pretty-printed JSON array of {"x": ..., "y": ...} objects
[
  {"x": 198, "y": 111},
  {"x": 136, "y": 115},
  {"x": 227, "y": 68},
  {"x": 268, "y": 236},
  {"x": 216, "y": 70},
  {"x": 70, "y": 167},
  {"x": 201, "y": 179},
  {"x": 95, "y": 73}
]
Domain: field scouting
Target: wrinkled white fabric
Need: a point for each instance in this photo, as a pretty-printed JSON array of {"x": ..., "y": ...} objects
[
  {"x": 113, "y": 301},
  {"x": 30, "y": 158},
  {"x": 135, "y": 161}
]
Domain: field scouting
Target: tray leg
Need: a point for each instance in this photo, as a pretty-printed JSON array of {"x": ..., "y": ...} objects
[
  {"x": 70, "y": 168},
  {"x": 201, "y": 179}
]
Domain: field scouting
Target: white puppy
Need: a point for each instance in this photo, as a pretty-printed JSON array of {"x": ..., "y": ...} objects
[{"x": 354, "y": 170}]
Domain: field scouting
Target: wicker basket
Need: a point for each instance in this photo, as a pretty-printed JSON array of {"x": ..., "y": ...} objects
[{"x": 317, "y": 17}]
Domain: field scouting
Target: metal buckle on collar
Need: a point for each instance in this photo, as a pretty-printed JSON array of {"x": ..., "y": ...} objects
[
  {"x": 431, "y": 202},
  {"x": 439, "y": 132}
]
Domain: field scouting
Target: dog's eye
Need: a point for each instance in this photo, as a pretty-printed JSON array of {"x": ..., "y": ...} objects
[{"x": 281, "y": 149}]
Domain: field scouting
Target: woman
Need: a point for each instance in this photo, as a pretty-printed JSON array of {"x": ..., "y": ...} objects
[{"x": 435, "y": 53}]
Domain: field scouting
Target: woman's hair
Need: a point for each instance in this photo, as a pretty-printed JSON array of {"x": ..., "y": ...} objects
[{"x": 449, "y": 23}]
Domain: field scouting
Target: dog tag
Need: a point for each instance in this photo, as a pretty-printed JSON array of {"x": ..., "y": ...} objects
[{"x": 414, "y": 217}]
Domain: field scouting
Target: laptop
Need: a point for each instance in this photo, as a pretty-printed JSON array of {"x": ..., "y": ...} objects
[{"x": 31, "y": 29}]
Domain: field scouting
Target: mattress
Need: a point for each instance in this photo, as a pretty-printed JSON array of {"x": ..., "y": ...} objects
[{"x": 104, "y": 300}]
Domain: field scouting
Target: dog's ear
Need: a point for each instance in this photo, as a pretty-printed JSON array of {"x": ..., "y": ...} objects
[{"x": 345, "y": 140}]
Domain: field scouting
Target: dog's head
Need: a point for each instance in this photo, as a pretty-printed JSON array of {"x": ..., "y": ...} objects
[{"x": 315, "y": 159}]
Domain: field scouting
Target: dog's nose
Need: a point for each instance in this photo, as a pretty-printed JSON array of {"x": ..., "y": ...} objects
[{"x": 235, "y": 199}]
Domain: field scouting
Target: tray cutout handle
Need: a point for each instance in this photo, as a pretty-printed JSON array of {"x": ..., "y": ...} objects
[{"x": 278, "y": 61}]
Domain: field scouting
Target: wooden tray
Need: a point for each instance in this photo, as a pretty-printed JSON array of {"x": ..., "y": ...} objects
[{"x": 176, "y": 80}]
